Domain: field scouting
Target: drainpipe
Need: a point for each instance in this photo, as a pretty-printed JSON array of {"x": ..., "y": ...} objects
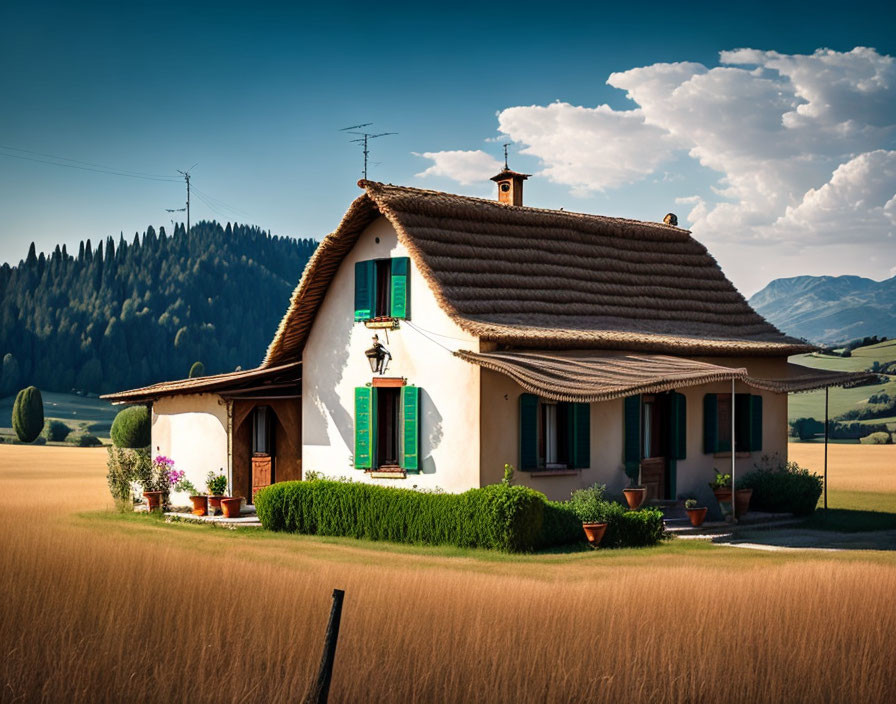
[
  {"x": 230, "y": 445},
  {"x": 733, "y": 406}
]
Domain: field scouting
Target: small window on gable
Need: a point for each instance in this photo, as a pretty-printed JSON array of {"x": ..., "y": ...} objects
[{"x": 381, "y": 289}]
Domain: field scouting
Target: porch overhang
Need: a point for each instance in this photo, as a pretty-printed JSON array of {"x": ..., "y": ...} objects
[
  {"x": 284, "y": 379},
  {"x": 588, "y": 376}
]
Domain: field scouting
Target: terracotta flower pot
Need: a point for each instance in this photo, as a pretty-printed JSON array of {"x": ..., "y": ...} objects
[
  {"x": 153, "y": 499},
  {"x": 697, "y": 516},
  {"x": 231, "y": 507},
  {"x": 200, "y": 505},
  {"x": 742, "y": 501},
  {"x": 723, "y": 494},
  {"x": 214, "y": 504},
  {"x": 635, "y": 496},
  {"x": 594, "y": 532}
]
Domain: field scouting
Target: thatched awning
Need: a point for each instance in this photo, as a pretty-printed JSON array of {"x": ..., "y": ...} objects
[
  {"x": 534, "y": 278},
  {"x": 284, "y": 375},
  {"x": 585, "y": 376}
]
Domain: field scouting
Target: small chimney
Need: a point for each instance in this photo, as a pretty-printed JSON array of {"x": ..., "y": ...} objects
[{"x": 671, "y": 219}]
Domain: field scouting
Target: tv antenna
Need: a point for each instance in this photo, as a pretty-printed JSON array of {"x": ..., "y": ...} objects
[
  {"x": 364, "y": 138},
  {"x": 186, "y": 175}
]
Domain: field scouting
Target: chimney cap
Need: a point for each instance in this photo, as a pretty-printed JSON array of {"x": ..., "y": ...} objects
[{"x": 509, "y": 173}]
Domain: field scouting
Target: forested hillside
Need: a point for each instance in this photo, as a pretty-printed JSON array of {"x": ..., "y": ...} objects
[{"x": 124, "y": 314}]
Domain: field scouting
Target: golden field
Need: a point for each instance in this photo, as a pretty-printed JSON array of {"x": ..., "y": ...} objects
[{"x": 101, "y": 607}]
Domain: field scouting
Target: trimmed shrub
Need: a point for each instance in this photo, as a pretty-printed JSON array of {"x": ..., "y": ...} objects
[
  {"x": 782, "y": 487},
  {"x": 198, "y": 369},
  {"x": 132, "y": 428},
  {"x": 84, "y": 440},
  {"x": 28, "y": 414},
  {"x": 56, "y": 431},
  {"x": 560, "y": 525},
  {"x": 499, "y": 517},
  {"x": 625, "y": 528}
]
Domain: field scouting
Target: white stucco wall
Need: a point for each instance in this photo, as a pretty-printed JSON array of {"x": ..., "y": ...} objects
[
  {"x": 191, "y": 430},
  {"x": 334, "y": 364}
]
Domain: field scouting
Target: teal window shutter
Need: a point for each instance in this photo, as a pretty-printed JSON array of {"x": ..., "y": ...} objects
[
  {"x": 755, "y": 423},
  {"x": 580, "y": 447},
  {"x": 743, "y": 421},
  {"x": 401, "y": 272},
  {"x": 528, "y": 432},
  {"x": 410, "y": 428},
  {"x": 365, "y": 289},
  {"x": 365, "y": 427},
  {"x": 632, "y": 425},
  {"x": 710, "y": 423},
  {"x": 678, "y": 433}
]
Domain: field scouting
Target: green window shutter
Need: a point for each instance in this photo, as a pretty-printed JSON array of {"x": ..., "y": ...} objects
[
  {"x": 365, "y": 289},
  {"x": 742, "y": 421},
  {"x": 401, "y": 272},
  {"x": 365, "y": 427},
  {"x": 755, "y": 423},
  {"x": 632, "y": 423},
  {"x": 528, "y": 432},
  {"x": 678, "y": 432},
  {"x": 410, "y": 428},
  {"x": 580, "y": 447},
  {"x": 710, "y": 423}
]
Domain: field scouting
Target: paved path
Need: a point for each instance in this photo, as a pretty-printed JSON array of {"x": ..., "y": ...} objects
[{"x": 785, "y": 539}]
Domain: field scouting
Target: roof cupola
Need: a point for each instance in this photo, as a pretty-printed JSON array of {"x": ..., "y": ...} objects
[{"x": 510, "y": 184}]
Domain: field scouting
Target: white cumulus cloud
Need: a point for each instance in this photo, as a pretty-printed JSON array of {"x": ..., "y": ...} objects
[{"x": 464, "y": 166}]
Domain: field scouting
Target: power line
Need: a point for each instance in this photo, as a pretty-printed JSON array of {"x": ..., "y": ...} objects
[{"x": 80, "y": 165}]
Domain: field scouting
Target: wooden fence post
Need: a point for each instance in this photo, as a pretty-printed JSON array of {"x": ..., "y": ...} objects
[{"x": 321, "y": 688}]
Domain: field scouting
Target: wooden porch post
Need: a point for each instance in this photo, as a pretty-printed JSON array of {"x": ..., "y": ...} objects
[{"x": 733, "y": 450}]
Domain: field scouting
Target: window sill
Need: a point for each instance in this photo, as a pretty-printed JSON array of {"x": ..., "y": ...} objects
[
  {"x": 388, "y": 473},
  {"x": 381, "y": 324},
  {"x": 552, "y": 472},
  {"x": 737, "y": 455}
]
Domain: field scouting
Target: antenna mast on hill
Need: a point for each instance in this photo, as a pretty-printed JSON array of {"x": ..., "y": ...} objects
[
  {"x": 186, "y": 175},
  {"x": 363, "y": 139}
]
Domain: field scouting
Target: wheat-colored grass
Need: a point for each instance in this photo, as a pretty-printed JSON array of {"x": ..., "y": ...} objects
[{"x": 96, "y": 608}]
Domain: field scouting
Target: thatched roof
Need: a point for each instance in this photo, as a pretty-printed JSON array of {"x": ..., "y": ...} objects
[
  {"x": 258, "y": 379},
  {"x": 544, "y": 278},
  {"x": 588, "y": 376}
]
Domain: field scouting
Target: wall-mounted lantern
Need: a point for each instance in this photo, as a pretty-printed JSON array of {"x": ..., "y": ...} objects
[{"x": 378, "y": 356}]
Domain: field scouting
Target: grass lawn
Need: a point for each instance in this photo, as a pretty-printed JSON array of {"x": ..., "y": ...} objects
[
  {"x": 102, "y": 606},
  {"x": 78, "y": 412}
]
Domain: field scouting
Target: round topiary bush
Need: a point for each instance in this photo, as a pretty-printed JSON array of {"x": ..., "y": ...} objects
[
  {"x": 56, "y": 431},
  {"x": 198, "y": 369},
  {"x": 131, "y": 428},
  {"x": 28, "y": 414},
  {"x": 84, "y": 440}
]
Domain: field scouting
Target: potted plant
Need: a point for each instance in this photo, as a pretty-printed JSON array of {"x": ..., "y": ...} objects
[
  {"x": 156, "y": 485},
  {"x": 231, "y": 506},
  {"x": 721, "y": 486},
  {"x": 216, "y": 485},
  {"x": 742, "y": 501},
  {"x": 697, "y": 514},
  {"x": 590, "y": 506},
  {"x": 635, "y": 493},
  {"x": 178, "y": 481}
]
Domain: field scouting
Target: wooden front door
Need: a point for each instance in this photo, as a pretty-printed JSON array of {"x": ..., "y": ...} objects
[
  {"x": 654, "y": 439},
  {"x": 262, "y": 471}
]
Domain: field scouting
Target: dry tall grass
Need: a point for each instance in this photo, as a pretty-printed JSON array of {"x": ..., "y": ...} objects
[{"x": 107, "y": 611}]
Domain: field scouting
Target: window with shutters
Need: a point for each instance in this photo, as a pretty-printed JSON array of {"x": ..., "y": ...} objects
[
  {"x": 387, "y": 427},
  {"x": 554, "y": 435},
  {"x": 381, "y": 289},
  {"x": 747, "y": 411}
]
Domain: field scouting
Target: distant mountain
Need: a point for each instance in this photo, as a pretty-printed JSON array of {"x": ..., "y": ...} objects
[
  {"x": 829, "y": 309},
  {"x": 123, "y": 314}
]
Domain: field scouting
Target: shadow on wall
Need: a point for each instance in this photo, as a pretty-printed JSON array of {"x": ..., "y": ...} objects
[
  {"x": 332, "y": 366},
  {"x": 431, "y": 432}
]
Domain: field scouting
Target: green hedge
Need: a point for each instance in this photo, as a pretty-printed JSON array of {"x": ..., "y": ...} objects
[
  {"x": 499, "y": 517},
  {"x": 782, "y": 487}
]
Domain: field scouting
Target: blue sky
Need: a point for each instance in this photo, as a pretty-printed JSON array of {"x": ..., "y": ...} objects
[{"x": 256, "y": 95}]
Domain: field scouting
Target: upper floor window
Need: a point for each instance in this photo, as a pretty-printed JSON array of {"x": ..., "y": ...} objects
[{"x": 381, "y": 288}]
